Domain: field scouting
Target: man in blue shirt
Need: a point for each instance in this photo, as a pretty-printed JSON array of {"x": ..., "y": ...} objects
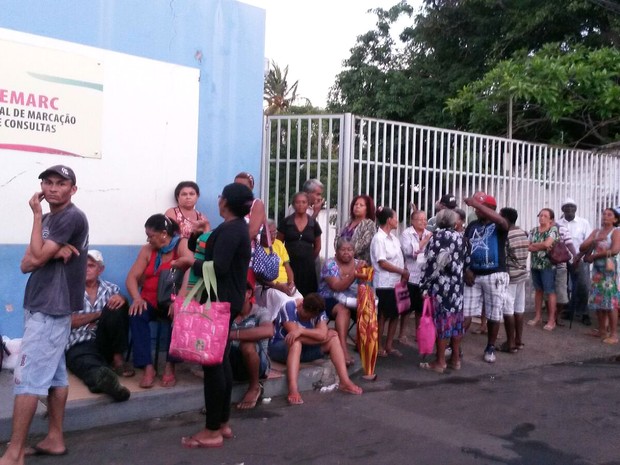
[{"x": 486, "y": 277}]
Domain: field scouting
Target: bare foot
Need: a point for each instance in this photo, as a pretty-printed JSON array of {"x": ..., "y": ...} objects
[
  {"x": 6, "y": 459},
  {"x": 295, "y": 399},
  {"x": 226, "y": 431},
  {"x": 47, "y": 445}
]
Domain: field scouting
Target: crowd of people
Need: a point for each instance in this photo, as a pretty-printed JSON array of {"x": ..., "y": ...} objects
[{"x": 464, "y": 270}]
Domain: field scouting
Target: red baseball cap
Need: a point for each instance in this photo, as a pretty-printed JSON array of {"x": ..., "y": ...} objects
[{"x": 485, "y": 199}]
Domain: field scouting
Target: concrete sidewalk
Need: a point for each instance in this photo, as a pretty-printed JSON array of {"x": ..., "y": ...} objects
[{"x": 86, "y": 410}]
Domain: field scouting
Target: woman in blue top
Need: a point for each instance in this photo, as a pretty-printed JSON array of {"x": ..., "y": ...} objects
[
  {"x": 338, "y": 287},
  {"x": 301, "y": 335}
]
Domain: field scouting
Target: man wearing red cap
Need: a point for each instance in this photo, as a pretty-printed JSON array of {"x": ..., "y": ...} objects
[{"x": 486, "y": 277}]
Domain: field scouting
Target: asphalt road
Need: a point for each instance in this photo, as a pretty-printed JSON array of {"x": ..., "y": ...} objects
[{"x": 558, "y": 414}]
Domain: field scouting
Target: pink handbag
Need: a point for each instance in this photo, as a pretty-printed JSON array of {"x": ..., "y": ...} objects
[
  {"x": 426, "y": 332},
  {"x": 403, "y": 302},
  {"x": 200, "y": 331}
]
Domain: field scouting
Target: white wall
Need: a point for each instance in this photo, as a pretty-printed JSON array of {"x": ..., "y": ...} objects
[{"x": 149, "y": 144}]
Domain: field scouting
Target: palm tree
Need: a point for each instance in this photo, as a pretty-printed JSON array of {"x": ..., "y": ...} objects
[{"x": 278, "y": 95}]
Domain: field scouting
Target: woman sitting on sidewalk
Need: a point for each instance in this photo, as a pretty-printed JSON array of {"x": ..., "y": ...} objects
[
  {"x": 338, "y": 287},
  {"x": 301, "y": 335}
]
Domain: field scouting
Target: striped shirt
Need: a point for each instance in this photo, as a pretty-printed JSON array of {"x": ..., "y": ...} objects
[
  {"x": 105, "y": 290},
  {"x": 516, "y": 255}
]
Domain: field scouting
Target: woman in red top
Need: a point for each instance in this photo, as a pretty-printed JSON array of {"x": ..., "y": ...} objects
[{"x": 164, "y": 244}]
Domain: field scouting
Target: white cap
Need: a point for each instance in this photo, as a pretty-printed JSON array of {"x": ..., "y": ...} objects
[
  {"x": 569, "y": 201},
  {"x": 96, "y": 255}
]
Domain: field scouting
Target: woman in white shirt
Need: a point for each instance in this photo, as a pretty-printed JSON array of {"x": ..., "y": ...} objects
[
  {"x": 413, "y": 241},
  {"x": 389, "y": 268}
]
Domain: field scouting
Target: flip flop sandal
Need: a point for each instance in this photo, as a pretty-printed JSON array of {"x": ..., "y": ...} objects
[
  {"x": 147, "y": 382},
  {"x": 40, "y": 451},
  {"x": 454, "y": 366},
  {"x": 125, "y": 370},
  {"x": 395, "y": 353},
  {"x": 429, "y": 367},
  {"x": 191, "y": 442},
  {"x": 168, "y": 381},
  {"x": 508, "y": 350}
]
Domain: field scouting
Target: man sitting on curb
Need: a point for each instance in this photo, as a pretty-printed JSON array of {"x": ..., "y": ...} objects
[
  {"x": 99, "y": 334},
  {"x": 301, "y": 335},
  {"x": 250, "y": 333}
]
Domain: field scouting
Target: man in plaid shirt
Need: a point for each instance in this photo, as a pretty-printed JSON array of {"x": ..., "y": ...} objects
[{"x": 99, "y": 334}]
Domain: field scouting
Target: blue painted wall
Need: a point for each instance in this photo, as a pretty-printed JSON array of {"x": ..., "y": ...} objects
[{"x": 222, "y": 38}]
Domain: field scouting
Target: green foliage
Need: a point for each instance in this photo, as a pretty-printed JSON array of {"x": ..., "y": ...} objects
[
  {"x": 409, "y": 74},
  {"x": 569, "y": 94}
]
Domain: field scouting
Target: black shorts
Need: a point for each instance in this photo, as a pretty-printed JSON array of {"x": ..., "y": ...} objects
[
  {"x": 415, "y": 294},
  {"x": 387, "y": 303}
]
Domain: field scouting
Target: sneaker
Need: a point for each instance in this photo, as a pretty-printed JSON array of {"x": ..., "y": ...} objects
[
  {"x": 489, "y": 354},
  {"x": 107, "y": 382}
]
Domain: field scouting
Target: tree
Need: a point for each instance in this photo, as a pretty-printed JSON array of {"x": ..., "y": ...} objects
[
  {"x": 277, "y": 93},
  {"x": 409, "y": 74},
  {"x": 561, "y": 94}
]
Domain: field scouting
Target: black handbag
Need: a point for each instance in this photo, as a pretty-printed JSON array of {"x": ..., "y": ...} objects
[{"x": 169, "y": 283}]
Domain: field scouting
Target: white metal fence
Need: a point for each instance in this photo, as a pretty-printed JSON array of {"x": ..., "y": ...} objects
[{"x": 400, "y": 164}]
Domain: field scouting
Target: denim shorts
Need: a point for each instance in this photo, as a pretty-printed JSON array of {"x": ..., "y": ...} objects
[
  {"x": 42, "y": 357},
  {"x": 278, "y": 351},
  {"x": 240, "y": 372},
  {"x": 544, "y": 280}
]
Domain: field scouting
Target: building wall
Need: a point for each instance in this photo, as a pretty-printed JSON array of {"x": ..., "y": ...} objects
[{"x": 223, "y": 40}]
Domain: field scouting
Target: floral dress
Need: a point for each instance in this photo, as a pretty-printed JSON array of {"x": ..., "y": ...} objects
[
  {"x": 604, "y": 293},
  {"x": 446, "y": 256}
]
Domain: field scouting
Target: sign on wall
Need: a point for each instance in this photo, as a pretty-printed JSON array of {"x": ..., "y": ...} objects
[{"x": 50, "y": 101}]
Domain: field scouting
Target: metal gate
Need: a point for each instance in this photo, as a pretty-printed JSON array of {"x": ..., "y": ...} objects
[{"x": 401, "y": 164}]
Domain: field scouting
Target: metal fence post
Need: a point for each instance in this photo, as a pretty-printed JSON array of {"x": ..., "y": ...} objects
[{"x": 345, "y": 185}]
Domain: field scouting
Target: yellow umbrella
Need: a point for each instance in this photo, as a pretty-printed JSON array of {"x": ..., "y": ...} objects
[{"x": 367, "y": 327}]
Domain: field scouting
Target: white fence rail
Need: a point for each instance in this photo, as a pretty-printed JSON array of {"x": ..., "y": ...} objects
[{"x": 400, "y": 164}]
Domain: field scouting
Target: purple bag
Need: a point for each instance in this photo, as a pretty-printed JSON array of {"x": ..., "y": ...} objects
[
  {"x": 426, "y": 332},
  {"x": 200, "y": 331}
]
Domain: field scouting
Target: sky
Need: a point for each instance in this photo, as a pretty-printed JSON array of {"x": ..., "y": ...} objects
[{"x": 313, "y": 38}]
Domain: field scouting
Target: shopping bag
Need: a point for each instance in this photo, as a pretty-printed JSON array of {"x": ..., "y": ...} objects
[
  {"x": 426, "y": 332},
  {"x": 200, "y": 331}
]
